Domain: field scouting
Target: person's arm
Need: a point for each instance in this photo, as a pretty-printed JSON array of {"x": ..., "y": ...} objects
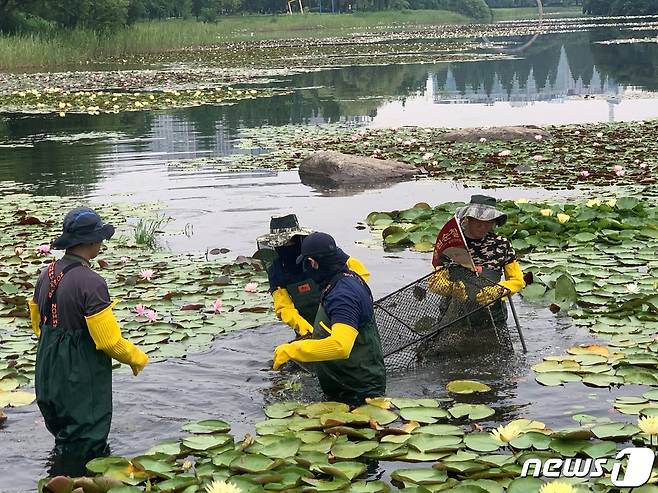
[
  {"x": 105, "y": 332},
  {"x": 35, "y": 317},
  {"x": 514, "y": 282},
  {"x": 104, "y": 328},
  {"x": 440, "y": 283},
  {"x": 356, "y": 266},
  {"x": 343, "y": 306},
  {"x": 337, "y": 346},
  {"x": 286, "y": 312},
  {"x": 513, "y": 277}
]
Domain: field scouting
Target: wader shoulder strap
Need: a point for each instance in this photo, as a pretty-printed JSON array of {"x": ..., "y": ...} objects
[{"x": 50, "y": 315}]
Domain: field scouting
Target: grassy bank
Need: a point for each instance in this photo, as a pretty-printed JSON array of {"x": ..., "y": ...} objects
[
  {"x": 79, "y": 46},
  {"x": 71, "y": 48},
  {"x": 514, "y": 14}
]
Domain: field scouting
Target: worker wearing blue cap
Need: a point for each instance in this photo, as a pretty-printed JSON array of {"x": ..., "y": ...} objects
[{"x": 345, "y": 346}]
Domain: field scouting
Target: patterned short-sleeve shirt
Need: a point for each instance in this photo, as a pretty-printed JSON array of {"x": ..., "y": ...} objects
[{"x": 491, "y": 252}]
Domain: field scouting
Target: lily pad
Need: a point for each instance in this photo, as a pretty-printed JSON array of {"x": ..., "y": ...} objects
[{"x": 467, "y": 387}]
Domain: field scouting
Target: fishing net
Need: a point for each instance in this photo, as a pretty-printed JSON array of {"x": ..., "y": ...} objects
[{"x": 443, "y": 313}]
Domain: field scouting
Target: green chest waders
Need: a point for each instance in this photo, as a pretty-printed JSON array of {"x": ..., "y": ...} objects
[
  {"x": 73, "y": 382},
  {"x": 363, "y": 374},
  {"x": 305, "y": 296}
]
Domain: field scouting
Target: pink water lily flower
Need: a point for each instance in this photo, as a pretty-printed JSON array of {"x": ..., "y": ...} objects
[
  {"x": 217, "y": 306},
  {"x": 43, "y": 249},
  {"x": 538, "y": 158},
  {"x": 151, "y": 315},
  {"x": 124, "y": 260},
  {"x": 147, "y": 274},
  {"x": 140, "y": 310},
  {"x": 505, "y": 153},
  {"x": 251, "y": 287},
  {"x": 584, "y": 173},
  {"x": 620, "y": 173}
]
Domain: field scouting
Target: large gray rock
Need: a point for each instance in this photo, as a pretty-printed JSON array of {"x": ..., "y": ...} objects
[
  {"x": 331, "y": 168},
  {"x": 495, "y": 133}
]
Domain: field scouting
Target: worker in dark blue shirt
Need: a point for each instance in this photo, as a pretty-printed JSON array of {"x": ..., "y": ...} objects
[{"x": 345, "y": 345}]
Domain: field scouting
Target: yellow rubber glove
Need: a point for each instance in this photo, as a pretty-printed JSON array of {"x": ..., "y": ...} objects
[
  {"x": 105, "y": 332},
  {"x": 35, "y": 317},
  {"x": 337, "y": 346},
  {"x": 357, "y": 267},
  {"x": 286, "y": 312},
  {"x": 441, "y": 284},
  {"x": 513, "y": 277},
  {"x": 488, "y": 295}
]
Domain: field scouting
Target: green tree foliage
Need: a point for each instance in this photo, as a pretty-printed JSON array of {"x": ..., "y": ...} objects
[{"x": 620, "y": 7}]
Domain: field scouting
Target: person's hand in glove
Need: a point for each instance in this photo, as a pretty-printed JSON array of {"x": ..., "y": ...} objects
[
  {"x": 441, "y": 284},
  {"x": 489, "y": 294},
  {"x": 337, "y": 346},
  {"x": 281, "y": 356}
]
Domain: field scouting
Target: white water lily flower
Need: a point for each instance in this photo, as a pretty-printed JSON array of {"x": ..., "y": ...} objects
[
  {"x": 507, "y": 433},
  {"x": 483, "y": 140},
  {"x": 557, "y": 487},
  {"x": 633, "y": 288},
  {"x": 648, "y": 425},
  {"x": 427, "y": 156},
  {"x": 599, "y": 135},
  {"x": 222, "y": 487},
  {"x": 539, "y": 137}
]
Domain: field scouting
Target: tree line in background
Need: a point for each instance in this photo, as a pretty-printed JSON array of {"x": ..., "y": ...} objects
[{"x": 109, "y": 15}]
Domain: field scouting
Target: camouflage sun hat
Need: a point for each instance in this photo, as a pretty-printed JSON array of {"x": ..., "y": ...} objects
[
  {"x": 482, "y": 207},
  {"x": 282, "y": 229}
]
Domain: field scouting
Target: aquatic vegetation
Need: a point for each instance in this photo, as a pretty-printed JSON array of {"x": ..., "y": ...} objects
[
  {"x": 570, "y": 148},
  {"x": 62, "y": 102},
  {"x": 325, "y": 446},
  {"x": 146, "y": 230}
]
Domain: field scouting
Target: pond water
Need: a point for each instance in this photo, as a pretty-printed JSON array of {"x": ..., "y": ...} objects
[{"x": 569, "y": 77}]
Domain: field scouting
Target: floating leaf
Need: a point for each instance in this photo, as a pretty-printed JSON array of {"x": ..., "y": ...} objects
[{"x": 467, "y": 387}]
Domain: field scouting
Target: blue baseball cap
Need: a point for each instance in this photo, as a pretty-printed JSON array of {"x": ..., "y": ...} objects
[
  {"x": 82, "y": 225},
  {"x": 317, "y": 245}
]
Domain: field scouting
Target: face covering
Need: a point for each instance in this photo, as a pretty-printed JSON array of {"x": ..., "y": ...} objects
[{"x": 329, "y": 267}]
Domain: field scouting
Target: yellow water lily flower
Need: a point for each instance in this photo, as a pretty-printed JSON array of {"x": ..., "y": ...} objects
[
  {"x": 507, "y": 433},
  {"x": 546, "y": 212},
  {"x": 593, "y": 202},
  {"x": 222, "y": 487},
  {"x": 611, "y": 202},
  {"x": 648, "y": 425},
  {"x": 557, "y": 487},
  {"x": 563, "y": 218}
]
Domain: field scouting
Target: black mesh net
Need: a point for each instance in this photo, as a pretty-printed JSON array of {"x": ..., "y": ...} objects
[{"x": 449, "y": 311}]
